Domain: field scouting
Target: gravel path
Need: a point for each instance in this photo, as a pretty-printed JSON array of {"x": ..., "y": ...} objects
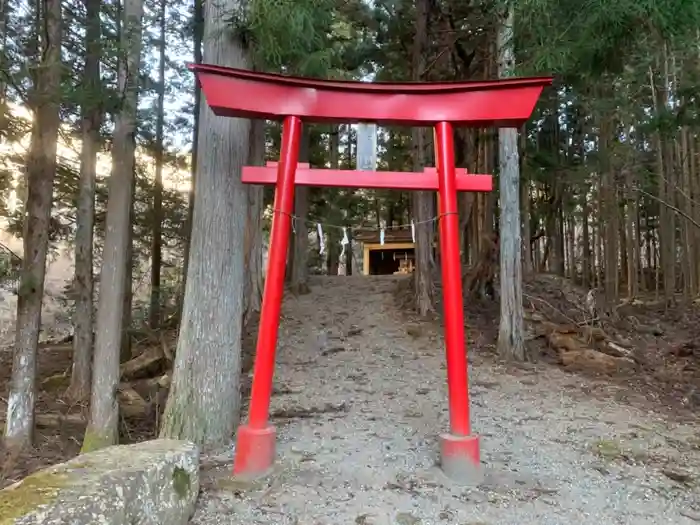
[{"x": 361, "y": 397}]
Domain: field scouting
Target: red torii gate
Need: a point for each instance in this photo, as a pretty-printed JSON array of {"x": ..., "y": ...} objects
[{"x": 240, "y": 93}]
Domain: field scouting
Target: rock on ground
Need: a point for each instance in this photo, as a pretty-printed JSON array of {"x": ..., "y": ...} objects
[
  {"x": 360, "y": 398},
  {"x": 150, "y": 483}
]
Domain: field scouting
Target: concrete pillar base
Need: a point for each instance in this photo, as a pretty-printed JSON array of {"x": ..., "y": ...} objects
[
  {"x": 255, "y": 452},
  {"x": 460, "y": 458}
]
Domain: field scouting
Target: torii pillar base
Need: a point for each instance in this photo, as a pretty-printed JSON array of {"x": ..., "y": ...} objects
[
  {"x": 255, "y": 452},
  {"x": 460, "y": 459}
]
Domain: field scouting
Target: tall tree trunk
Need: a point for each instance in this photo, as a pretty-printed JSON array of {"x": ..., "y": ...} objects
[
  {"x": 488, "y": 199},
  {"x": 198, "y": 23},
  {"x": 127, "y": 301},
  {"x": 299, "y": 275},
  {"x": 348, "y": 252},
  {"x": 549, "y": 137},
  {"x": 83, "y": 283},
  {"x": 41, "y": 170},
  {"x": 333, "y": 248},
  {"x": 511, "y": 331},
  {"x": 621, "y": 239},
  {"x": 632, "y": 247},
  {"x": 422, "y": 200},
  {"x": 528, "y": 268},
  {"x": 669, "y": 269},
  {"x": 102, "y": 427},
  {"x": 465, "y": 147},
  {"x": 609, "y": 216},
  {"x": 695, "y": 181},
  {"x": 667, "y": 237},
  {"x": 156, "y": 243},
  {"x": 587, "y": 262},
  {"x": 334, "y": 148},
  {"x": 572, "y": 267},
  {"x": 299, "y": 247},
  {"x": 204, "y": 401},
  {"x": 333, "y": 236},
  {"x": 687, "y": 228},
  {"x": 252, "y": 295},
  {"x": 560, "y": 244},
  {"x": 3, "y": 67}
]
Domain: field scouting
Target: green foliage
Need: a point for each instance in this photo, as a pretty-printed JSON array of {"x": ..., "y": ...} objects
[
  {"x": 593, "y": 37},
  {"x": 288, "y": 35}
]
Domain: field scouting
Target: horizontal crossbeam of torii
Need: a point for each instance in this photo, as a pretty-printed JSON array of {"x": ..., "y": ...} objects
[
  {"x": 396, "y": 180},
  {"x": 233, "y": 92}
]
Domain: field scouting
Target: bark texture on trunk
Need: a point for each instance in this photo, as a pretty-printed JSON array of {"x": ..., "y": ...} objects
[
  {"x": 511, "y": 336},
  {"x": 198, "y": 23},
  {"x": 3, "y": 65},
  {"x": 83, "y": 283},
  {"x": 299, "y": 247},
  {"x": 609, "y": 216},
  {"x": 204, "y": 401},
  {"x": 252, "y": 295},
  {"x": 127, "y": 300},
  {"x": 41, "y": 171},
  {"x": 525, "y": 212},
  {"x": 667, "y": 218},
  {"x": 299, "y": 278},
  {"x": 157, "y": 241},
  {"x": 422, "y": 200},
  {"x": 102, "y": 427}
]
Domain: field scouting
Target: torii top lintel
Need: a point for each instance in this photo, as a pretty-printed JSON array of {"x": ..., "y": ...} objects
[{"x": 240, "y": 93}]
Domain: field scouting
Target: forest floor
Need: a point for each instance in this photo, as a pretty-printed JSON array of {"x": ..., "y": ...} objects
[
  {"x": 361, "y": 398},
  {"x": 600, "y": 429}
]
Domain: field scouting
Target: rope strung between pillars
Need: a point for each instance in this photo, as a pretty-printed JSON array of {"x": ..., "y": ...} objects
[{"x": 345, "y": 229}]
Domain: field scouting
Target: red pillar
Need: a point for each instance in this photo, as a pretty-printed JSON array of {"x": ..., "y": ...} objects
[
  {"x": 459, "y": 449},
  {"x": 255, "y": 446}
]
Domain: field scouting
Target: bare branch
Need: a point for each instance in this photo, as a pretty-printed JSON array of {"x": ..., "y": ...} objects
[{"x": 669, "y": 206}]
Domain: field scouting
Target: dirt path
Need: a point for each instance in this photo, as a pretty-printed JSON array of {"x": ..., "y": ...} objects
[{"x": 361, "y": 398}]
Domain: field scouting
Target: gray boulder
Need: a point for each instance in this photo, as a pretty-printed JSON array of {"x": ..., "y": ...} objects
[{"x": 150, "y": 483}]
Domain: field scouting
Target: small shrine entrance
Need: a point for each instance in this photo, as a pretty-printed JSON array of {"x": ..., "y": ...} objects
[
  {"x": 387, "y": 252},
  {"x": 240, "y": 93}
]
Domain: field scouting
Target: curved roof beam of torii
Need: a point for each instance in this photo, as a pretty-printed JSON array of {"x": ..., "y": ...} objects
[{"x": 240, "y": 93}]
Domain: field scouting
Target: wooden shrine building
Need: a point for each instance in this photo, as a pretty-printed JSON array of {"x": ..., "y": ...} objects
[{"x": 395, "y": 256}]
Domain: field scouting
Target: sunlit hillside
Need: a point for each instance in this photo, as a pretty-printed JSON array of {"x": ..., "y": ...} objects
[
  {"x": 60, "y": 268},
  {"x": 69, "y": 154}
]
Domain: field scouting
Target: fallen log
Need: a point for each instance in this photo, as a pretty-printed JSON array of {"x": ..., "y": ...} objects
[
  {"x": 594, "y": 361},
  {"x": 148, "y": 388},
  {"x": 618, "y": 351},
  {"x": 58, "y": 420},
  {"x": 131, "y": 404},
  {"x": 147, "y": 364},
  {"x": 594, "y": 334},
  {"x": 563, "y": 343}
]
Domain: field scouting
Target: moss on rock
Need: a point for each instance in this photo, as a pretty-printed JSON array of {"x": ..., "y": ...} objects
[
  {"x": 34, "y": 491},
  {"x": 181, "y": 482}
]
